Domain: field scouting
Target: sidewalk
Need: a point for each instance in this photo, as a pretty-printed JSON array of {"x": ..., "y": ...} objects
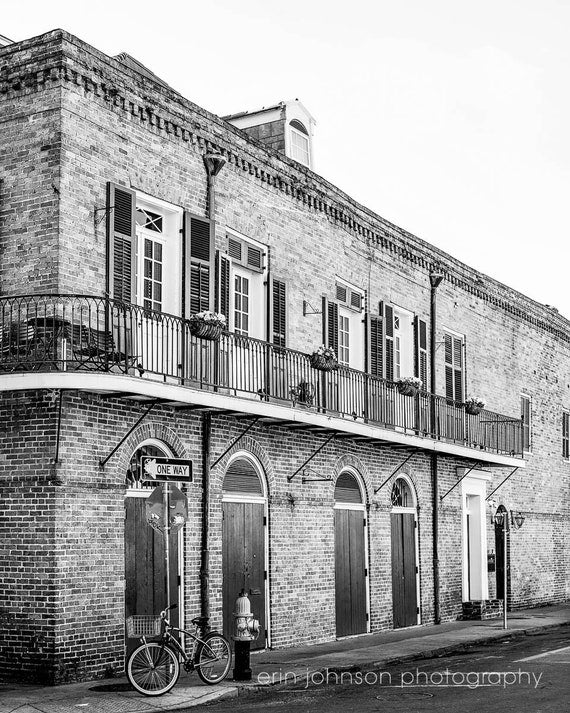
[{"x": 363, "y": 653}]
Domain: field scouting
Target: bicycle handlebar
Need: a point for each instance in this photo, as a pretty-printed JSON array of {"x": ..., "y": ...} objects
[{"x": 168, "y": 608}]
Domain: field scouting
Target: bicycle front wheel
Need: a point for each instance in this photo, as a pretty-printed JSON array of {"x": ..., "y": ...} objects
[
  {"x": 153, "y": 669},
  {"x": 214, "y": 658}
]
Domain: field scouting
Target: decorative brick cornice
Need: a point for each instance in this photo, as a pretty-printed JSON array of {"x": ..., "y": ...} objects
[{"x": 111, "y": 83}]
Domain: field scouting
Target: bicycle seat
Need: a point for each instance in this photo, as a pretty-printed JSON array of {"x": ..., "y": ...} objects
[{"x": 200, "y": 621}]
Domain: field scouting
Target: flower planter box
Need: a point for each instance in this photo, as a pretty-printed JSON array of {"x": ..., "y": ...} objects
[
  {"x": 473, "y": 409},
  {"x": 407, "y": 389},
  {"x": 323, "y": 363},
  {"x": 203, "y": 330}
]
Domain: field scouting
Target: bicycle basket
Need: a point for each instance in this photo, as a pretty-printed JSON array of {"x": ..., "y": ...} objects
[{"x": 144, "y": 625}]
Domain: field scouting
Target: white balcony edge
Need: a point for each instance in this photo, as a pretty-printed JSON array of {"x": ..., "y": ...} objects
[{"x": 97, "y": 382}]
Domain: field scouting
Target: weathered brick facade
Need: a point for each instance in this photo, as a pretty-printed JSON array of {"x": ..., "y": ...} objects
[{"x": 73, "y": 120}]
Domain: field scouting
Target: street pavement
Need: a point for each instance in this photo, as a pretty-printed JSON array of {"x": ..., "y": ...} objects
[{"x": 291, "y": 666}]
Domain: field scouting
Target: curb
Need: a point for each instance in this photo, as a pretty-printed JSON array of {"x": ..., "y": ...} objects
[{"x": 439, "y": 651}]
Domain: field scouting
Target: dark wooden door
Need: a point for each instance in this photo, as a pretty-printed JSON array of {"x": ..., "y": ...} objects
[
  {"x": 404, "y": 591},
  {"x": 243, "y": 562},
  {"x": 145, "y": 591},
  {"x": 350, "y": 572}
]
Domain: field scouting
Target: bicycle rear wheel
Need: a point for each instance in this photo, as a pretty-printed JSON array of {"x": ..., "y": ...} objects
[
  {"x": 153, "y": 669},
  {"x": 214, "y": 658}
]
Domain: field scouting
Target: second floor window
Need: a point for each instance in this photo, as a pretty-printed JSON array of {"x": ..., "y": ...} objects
[
  {"x": 241, "y": 305},
  {"x": 344, "y": 340}
]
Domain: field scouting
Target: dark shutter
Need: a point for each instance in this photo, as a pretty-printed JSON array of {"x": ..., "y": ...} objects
[
  {"x": 330, "y": 324},
  {"x": 565, "y": 435},
  {"x": 389, "y": 341},
  {"x": 278, "y": 319},
  {"x": 420, "y": 350},
  {"x": 453, "y": 367},
  {"x": 375, "y": 345},
  {"x": 121, "y": 242},
  {"x": 525, "y": 415},
  {"x": 199, "y": 253},
  {"x": 223, "y": 285}
]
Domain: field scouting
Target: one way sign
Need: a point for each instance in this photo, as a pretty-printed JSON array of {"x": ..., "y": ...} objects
[{"x": 166, "y": 470}]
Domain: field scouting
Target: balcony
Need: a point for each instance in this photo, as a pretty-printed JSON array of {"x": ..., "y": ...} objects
[{"x": 117, "y": 347}]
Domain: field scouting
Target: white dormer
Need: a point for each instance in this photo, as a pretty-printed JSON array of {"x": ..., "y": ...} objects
[{"x": 287, "y": 127}]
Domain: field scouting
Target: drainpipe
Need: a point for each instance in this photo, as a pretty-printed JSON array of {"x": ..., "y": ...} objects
[
  {"x": 213, "y": 163},
  {"x": 435, "y": 279}
]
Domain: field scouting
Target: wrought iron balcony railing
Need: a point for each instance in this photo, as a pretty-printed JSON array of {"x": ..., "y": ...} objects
[{"x": 70, "y": 332}]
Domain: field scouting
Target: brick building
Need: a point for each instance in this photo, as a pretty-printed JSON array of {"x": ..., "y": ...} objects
[{"x": 343, "y": 500}]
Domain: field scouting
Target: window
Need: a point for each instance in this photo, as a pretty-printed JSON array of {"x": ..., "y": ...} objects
[
  {"x": 152, "y": 274},
  {"x": 299, "y": 138},
  {"x": 241, "y": 305},
  {"x": 401, "y": 495},
  {"x": 344, "y": 340},
  {"x": 565, "y": 434},
  {"x": 526, "y": 421}
]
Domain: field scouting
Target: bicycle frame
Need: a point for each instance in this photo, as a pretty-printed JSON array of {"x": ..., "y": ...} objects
[{"x": 188, "y": 659}]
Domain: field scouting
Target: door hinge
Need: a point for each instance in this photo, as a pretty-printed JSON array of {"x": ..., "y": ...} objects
[
  {"x": 417, "y": 569},
  {"x": 264, "y": 521},
  {"x": 265, "y": 575},
  {"x": 365, "y": 572},
  {"x": 367, "y": 616},
  {"x": 179, "y": 580},
  {"x": 364, "y": 522},
  {"x": 417, "y": 610},
  {"x": 265, "y": 633},
  {"x": 415, "y": 524}
]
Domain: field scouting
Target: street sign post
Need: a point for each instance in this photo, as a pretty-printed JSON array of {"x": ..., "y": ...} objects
[
  {"x": 166, "y": 470},
  {"x": 167, "y": 512}
]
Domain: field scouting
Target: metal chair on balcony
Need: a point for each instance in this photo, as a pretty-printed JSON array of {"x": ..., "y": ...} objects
[
  {"x": 95, "y": 349},
  {"x": 16, "y": 343}
]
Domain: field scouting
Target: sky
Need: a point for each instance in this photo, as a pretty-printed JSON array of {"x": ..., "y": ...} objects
[{"x": 449, "y": 118}]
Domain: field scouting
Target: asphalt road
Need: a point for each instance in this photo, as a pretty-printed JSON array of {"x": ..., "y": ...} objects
[{"x": 528, "y": 675}]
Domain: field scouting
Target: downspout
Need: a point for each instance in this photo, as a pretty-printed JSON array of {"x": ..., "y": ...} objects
[
  {"x": 435, "y": 279},
  {"x": 213, "y": 164}
]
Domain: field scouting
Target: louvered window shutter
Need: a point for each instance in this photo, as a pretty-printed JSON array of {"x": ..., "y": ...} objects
[
  {"x": 330, "y": 324},
  {"x": 375, "y": 345},
  {"x": 525, "y": 415},
  {"x": 121, "y": 241},
  {"x": 389, "y": 341},
  {"x": 566, "y": 435},
  {"x": 223, "y": 285},
  {"x": 199, "y": 252},
  {"x": 453, "y": 367},
  {"x": 420, "y": 351},
  {"x": 278, "y": 313}
]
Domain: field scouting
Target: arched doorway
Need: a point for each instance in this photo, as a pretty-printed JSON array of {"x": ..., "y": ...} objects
[
  {"x": 351, "y": 566},
  {"x": 405, "y": 579},
  {"x": 145, "y": 567},
  {"x": 500, "y": 558},
  {"x": 244, "y": 541}
]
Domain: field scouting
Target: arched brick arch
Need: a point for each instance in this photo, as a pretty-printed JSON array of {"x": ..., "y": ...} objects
[
  {"x": 151, "y": 429},
  {"x": 350, "y": 461},
  {"x": 249, "y": 445},
  {"x": 386, "y": 492}
]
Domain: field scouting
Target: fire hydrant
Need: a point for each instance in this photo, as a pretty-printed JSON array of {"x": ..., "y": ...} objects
[{"x": 246, "y": 630}]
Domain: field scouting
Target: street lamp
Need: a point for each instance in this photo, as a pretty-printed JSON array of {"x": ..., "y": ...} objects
[{"x": 506, "y": 519}]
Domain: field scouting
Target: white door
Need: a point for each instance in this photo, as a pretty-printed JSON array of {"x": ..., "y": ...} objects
[
  {"x": 158, "y": 288},
  {"x": 247, "y": 319}
]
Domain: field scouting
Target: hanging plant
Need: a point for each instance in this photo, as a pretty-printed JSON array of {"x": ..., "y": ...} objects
[
  {"x": 474, "y": 405},
  {"x": 207, "y": 325},
  {"x": 409, "y": 385},
  {"x": 324, "y": 359}
]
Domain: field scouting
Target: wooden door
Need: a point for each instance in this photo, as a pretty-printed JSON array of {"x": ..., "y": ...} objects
[
  {"x": 145, "y": 591},
  {"x": 404, "y": 572},
  {"x": 350, "y": 572},
  {"x": 243, "y": 562},
  {"x": 500, "y": 559}
]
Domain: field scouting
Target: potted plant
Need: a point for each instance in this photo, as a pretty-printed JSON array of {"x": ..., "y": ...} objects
[
  {"x": 474, "y": 405},
  {"x": 409, "y": 385},
  {"x": 324, "y": 359},
  {"x": 207, "y": 325}
]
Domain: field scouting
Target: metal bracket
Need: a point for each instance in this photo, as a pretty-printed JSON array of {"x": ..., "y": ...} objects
[
  {"x": 514, "y": 470},
  {"x": 393, "y": 473},
  {"x": 318, "y": 479},
  {"x": 124, "y": 438},
  {"x": 106, "y": 209},
  {"x": 309, "y": 309},
  {"x": 241, "y": 435},
  {"x": 310, "y": 458},
  {"x": 460, "y": 479}
]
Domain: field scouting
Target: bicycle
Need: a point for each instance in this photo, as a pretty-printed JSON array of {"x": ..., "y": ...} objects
[{"x": 153, "y": 667}]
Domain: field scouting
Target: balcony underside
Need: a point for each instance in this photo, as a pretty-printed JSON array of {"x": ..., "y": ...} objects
[{"x": 299, "y": 417}]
